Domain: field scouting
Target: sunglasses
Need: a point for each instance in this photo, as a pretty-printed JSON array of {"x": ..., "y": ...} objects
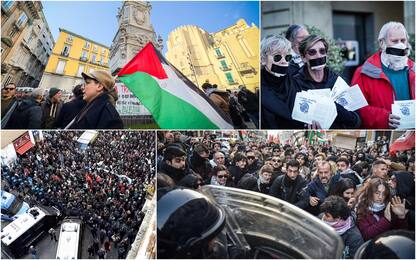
[
  {"x": 251, "y": 157},
  {"x": 312, "y": 52},
  {"x": 276, "y": 160},
  {"x": 278, "y": 57},
  {"x": 221, "y": 176},
  {"x": 197, "y": 185},
  {"x": 9, "y": 89}
]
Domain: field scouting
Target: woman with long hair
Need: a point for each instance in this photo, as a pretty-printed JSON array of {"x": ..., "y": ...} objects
[
  {"x": 377, "y": 211},
  {"x": 345, "y": 188}
]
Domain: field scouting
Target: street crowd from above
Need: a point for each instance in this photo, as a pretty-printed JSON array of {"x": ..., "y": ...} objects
[
  {"x": 105, "y": 184},
  {"x": 360, "y": 193},
  {"x": 298, "y": 61}
]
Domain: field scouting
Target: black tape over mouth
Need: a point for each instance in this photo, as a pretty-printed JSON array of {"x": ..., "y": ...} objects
[
  {"x": 396, "y": 51},
  {"x": 317, "y": 62},
  {"x": 279, "y": 69}
]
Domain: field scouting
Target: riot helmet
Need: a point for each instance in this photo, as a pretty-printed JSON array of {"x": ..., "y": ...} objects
[
  {"x": 394, "y": 244},
  {"x": 187, "y": 221}
]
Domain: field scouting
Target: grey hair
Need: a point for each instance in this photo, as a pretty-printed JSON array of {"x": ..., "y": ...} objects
[
  {"x": 38, "y": 92},
  {"x": 273, "y": 41},
  {"x": 382, "y": 36},
  {"x": 293, "y": 30}
]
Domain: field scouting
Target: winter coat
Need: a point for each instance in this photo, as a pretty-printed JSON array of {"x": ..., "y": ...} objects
[
  {"x": 69, "y": 111},
  {"x": 275, "y": 94},
  {"x": 316, "y": 189},
  {"x": 302, "y": 81},
  {"x": 286, "y": 190},
  {"x": 352, "y": 241},
  {"x": 406, "y": 190},
  {"x": 220, "y": 101},
  {"x": 98, "y": 114},
  {"x": 375, "y": 224},
  {"x": 27, "y": 115},
  {"x": 49, "y": 117},
  {"x": 201, "y": 166},
  {"x": 251, "y": 182},
  {"x": 378, "y": 91},
  {"x": 350, "y": 174},
  {"x": 236, "y": 174}
]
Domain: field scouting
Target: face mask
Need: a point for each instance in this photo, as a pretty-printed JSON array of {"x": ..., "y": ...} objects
[
  {"x": 278, "y": 70},
  {"x": 395, "y": 57},
  {"x": 317, "y": 63}
]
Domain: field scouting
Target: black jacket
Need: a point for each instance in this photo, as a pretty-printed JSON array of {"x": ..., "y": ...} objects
[
  {"x": 98, "y": 114},
  {"x": 236, "y": 174},
  {"x": 276, "y": 92},
  {"x": 201, "y": 166},
  {"x": 251, "y": 182},
  {"x": 176, "y": 174},
  {"x": 48, "y": 121},
  {"x": 69, "y": 111},
  {"x": 303, "y": 81},
  {"x": 27, "y": 115},
  {"x": 287, "y": 190}
]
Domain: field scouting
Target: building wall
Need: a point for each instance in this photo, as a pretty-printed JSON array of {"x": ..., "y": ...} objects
[
  {"x": 277, "y": 16},
  {"x": 22, "y": 60},
  {"x": 75, "y": 51},
  {"x": 204, "y": 57}
]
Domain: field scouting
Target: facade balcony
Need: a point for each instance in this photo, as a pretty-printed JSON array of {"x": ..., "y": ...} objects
[
  {"x": 226, "y": 68},
  {"x": 246, "y": 68},
  {"x": 65, "y": 54},
  {"x": 219, "y": 56},
  {"x": 83, "y": 59}
]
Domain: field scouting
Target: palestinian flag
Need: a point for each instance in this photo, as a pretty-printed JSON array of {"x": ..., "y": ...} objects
[{"x": 174, "y": 101}]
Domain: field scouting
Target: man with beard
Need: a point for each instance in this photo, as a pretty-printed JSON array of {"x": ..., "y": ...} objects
[
  {"x": 343, "y": 167},
  {"x": 277, "y": 164},
  {"x": 173, "y": 165},
  {"x": 318, "y": 189},
  {"x": 288, "y": 187},
  {"x": 253, "y": 164},
  {"x": 386, "y": 76}
]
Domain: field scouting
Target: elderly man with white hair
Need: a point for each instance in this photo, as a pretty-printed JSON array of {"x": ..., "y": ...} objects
[{"x": 385, "y": 77}]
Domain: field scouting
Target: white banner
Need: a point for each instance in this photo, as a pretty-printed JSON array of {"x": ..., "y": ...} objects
[{"x": 127, "y": 104}]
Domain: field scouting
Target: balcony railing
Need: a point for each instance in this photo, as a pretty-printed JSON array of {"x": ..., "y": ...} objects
[{"x": 83, "y": 58}]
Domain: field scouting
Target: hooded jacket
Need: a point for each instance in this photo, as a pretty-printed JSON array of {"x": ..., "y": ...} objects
[
  {"x": 27, "y": 115},
  {"x": 50, "y": 113},
  {"x": 378, "y": 91},
  {"x": 201, "y": 166}
]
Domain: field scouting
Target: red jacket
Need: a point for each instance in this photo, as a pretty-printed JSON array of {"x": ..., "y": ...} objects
[
  {"x": 370, "y": 227},
  {"x": 378, "y": 91}
]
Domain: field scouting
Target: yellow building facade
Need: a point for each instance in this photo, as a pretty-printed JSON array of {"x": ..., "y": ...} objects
[
  {"x": 228, "y": 58},
  {"x": 72, "y": 55}
]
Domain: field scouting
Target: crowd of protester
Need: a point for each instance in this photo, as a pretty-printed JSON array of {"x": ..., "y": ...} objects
[
  {"x": 104, "y": 184},
  {"x": 361, "y": 193}
]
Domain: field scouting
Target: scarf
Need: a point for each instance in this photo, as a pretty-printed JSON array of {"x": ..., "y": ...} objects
[
  {"x": 340, "y": 226},
  {"x": 377, "y": 207}
]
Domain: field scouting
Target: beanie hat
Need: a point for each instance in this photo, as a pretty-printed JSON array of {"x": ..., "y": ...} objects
[{"x": 53, "y": 91}]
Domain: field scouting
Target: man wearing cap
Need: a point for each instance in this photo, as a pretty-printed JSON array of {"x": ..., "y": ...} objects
[
  {"x": 385, "y": 77},
  {"x": 99, "y": 113},
  {"x": 51, "y": 108}
]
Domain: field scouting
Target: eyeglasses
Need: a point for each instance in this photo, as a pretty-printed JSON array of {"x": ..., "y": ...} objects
[
  {"x": 221, "y": 176},
  {"x": 312, "y": 52},
  {"x": 276, "y": 160},
  {"x": 251, "y": 157},
  {"x": 9, "y": 89},
  {"x": 278, "y": 57}
]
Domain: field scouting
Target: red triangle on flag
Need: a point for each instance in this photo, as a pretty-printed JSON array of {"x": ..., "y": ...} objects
[{"x": 147, "y": 61}]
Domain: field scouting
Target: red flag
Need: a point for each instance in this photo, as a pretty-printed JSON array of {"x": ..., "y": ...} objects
[{"x": 403, "y": 143}]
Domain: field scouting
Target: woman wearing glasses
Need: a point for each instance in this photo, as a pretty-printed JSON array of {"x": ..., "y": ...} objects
[
  {"x": 316, "y": 75},
  {"x": 275, "y": 84},
  {"x": 220, "y": 176}
]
